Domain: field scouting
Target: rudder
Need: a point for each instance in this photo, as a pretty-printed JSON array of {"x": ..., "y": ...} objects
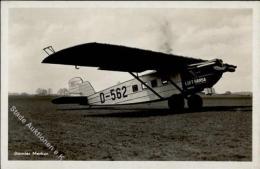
[{"x": 79, "y": 87}]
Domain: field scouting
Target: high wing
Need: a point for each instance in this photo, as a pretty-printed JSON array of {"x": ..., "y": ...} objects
[{"x": 119, "y": 58}]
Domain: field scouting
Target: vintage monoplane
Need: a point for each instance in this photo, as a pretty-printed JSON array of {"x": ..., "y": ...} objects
[{"x": 173, "y": 78}]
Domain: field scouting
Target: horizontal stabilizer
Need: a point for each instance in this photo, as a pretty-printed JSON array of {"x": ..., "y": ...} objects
[{"x": 71, "y": 100}]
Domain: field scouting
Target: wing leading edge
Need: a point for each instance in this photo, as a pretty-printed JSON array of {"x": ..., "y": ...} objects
[{"x": 119, "y": 58}]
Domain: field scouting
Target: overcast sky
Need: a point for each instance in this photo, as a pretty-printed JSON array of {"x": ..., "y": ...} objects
[{"x": 199, "y": 33}]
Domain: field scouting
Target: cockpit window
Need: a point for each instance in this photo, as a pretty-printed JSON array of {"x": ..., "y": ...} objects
[
  {"x": 154, "y": 83},
  {"x": 164, "y": 82},
  {"x": 135, "y": 88}
]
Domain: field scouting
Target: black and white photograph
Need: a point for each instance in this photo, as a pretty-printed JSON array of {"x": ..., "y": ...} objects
[{"x": 129, "y": 82}]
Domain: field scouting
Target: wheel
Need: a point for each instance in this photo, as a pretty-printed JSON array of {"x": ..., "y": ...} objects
[
  {"x": 176, "y": 103},
  {"x": 195, "y": 103}
]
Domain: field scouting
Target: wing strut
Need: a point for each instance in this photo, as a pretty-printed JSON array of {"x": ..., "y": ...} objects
[
  {"x": 177, "y": 87},
  {"x": 137, "y": 78}
]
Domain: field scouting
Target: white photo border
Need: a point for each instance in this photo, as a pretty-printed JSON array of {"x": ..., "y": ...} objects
[{"x": 5, "y": 163}]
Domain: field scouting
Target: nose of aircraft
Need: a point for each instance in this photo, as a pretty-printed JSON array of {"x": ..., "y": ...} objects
[
  {"x": 225, "y": 68},
  {"x": 230, "y": 68}
]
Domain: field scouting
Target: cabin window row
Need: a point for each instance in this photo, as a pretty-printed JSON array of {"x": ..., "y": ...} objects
[{"x": 154, "y": 83}]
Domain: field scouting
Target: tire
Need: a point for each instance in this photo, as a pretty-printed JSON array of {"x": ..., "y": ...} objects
[
  {"x": 195, "y": 103},
  {"x": 176, "y": 103}
]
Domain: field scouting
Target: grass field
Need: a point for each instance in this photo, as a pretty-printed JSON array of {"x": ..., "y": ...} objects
[{"x": 79, "y": 133}]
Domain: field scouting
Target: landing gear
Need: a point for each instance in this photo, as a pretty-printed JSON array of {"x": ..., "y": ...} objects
[
  {"x": 176, "y": 103},
  {"x": 195, "y": 102}
]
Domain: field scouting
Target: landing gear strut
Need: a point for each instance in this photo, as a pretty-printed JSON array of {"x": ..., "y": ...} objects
[
  {"x": 176, "y": 103},
  {"x": 195, "y": 102}
]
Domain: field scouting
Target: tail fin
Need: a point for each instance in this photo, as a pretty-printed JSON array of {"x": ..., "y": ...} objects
[{"x": 79, "y": 87}]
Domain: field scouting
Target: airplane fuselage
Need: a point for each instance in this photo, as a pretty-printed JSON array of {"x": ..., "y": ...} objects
[{"x": 133, "y": 91}]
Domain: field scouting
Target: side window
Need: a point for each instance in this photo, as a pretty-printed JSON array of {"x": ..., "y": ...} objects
[
  {"x": 143, "y": 86},
  {"x": 135, "y": 88},
  {"x": 164, "y": 82},
  {"x": 154, "y": 83}
]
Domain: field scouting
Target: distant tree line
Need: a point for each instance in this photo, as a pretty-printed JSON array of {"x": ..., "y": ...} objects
[
  {"x": 41, "y": 92},
  {"x": 48, "y": 92},
  {"x": 63, "y": 92}
]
